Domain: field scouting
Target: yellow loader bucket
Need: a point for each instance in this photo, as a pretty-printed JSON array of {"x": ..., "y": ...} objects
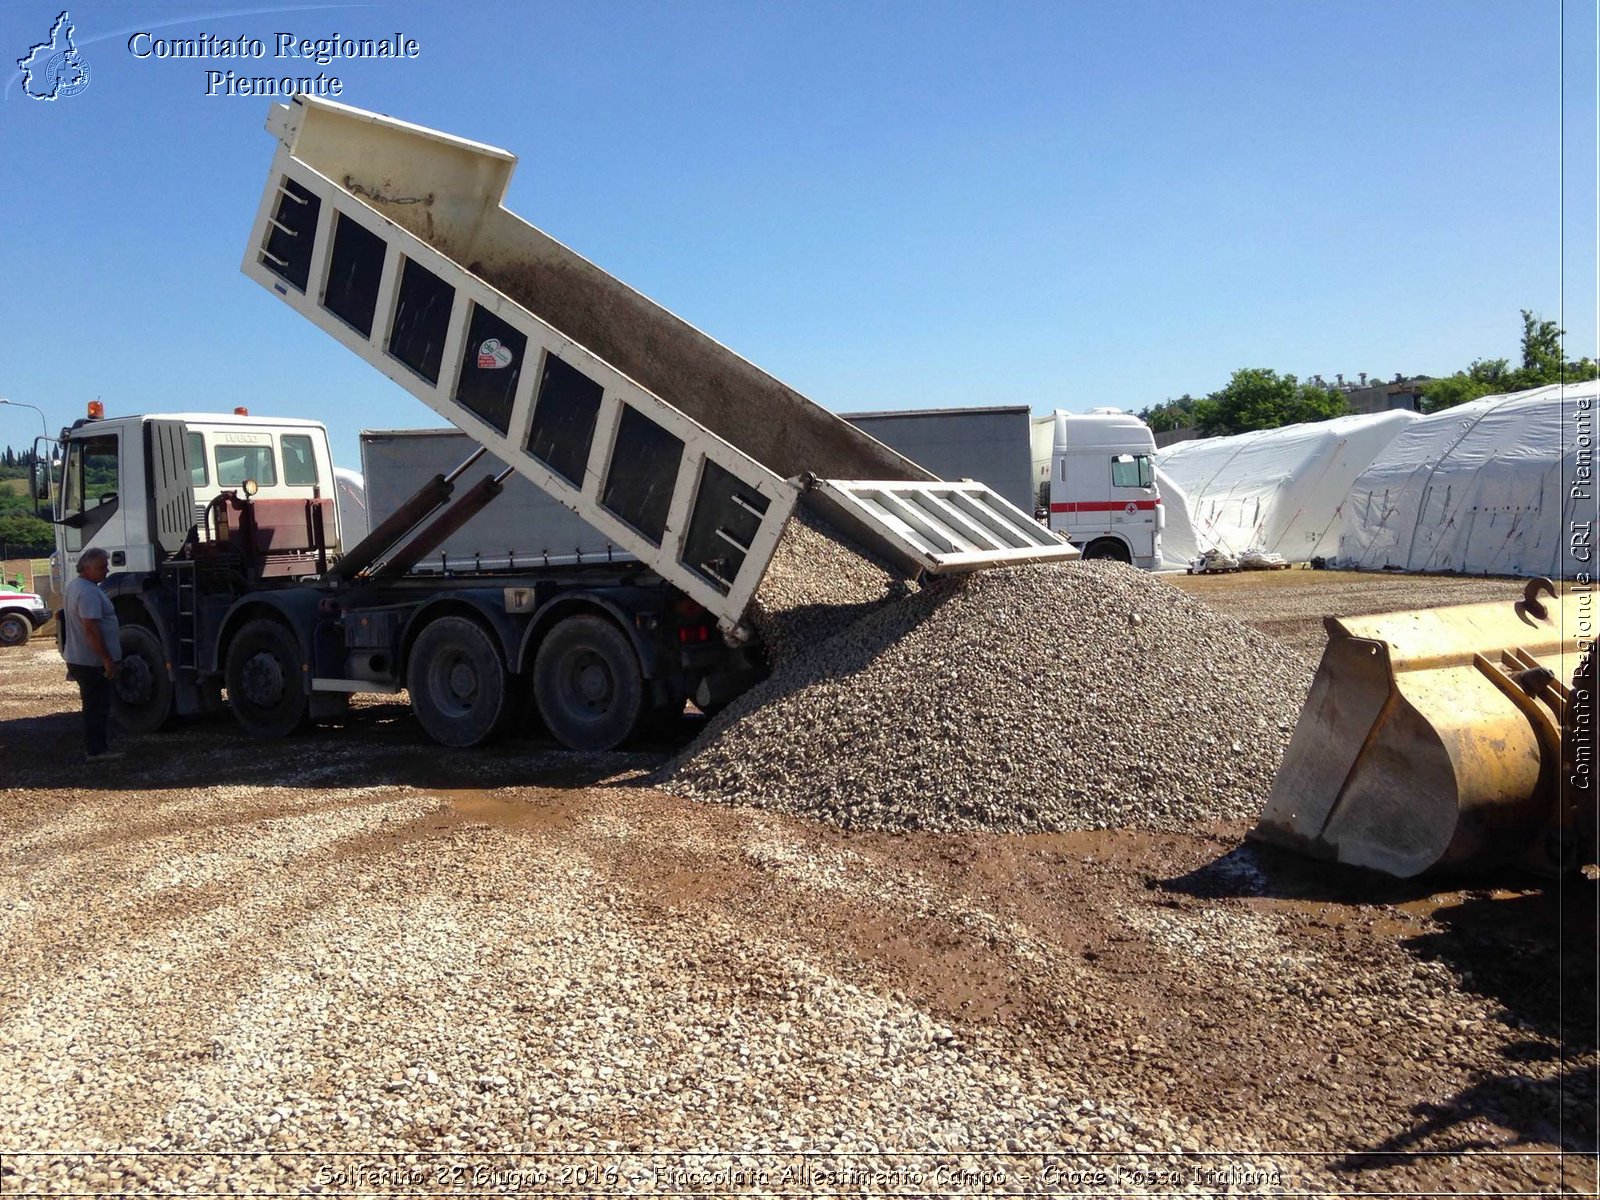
[{"x": 1431, "y": 739}]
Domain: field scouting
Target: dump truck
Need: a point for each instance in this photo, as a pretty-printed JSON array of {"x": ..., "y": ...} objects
[
  {"x": 525, "y": 528},
  {"x": 1447, "y": 738},
  {"x": 682, "y": 457}
]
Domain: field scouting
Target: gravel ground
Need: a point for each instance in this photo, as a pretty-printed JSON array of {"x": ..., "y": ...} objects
[
  {"x": 1035, "y": 699},
  {"x": 1288, "y": 606},
  {"x": 357, "y": 963}
]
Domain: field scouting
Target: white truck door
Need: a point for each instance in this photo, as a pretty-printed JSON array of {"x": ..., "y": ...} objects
[
  {"x": 96, "y": 492},
  {"x": 1135, "y": 502},
  {"x": 1080, "y": 495}
]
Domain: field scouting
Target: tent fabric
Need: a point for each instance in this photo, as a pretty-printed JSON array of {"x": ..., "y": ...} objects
[
  {"x": 1179, "y": 546},
  {"x": 1485, "y": 488},
  {"x": 1278, "y": 491}
]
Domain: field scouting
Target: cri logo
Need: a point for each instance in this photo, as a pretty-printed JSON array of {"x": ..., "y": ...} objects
[{"x": 493, "y": 356}]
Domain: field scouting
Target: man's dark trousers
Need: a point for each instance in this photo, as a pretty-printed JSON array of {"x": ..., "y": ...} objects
[{"x": 95, "y": 689}]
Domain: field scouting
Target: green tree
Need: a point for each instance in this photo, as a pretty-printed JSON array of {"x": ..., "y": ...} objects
[
  {"x": 1170, "y": 415},
  {"x": 1542, "y": 358},
  {"x": 25, "y": 535},
  {"x": 14, "y": 463},
  {"x": 1259, "y": 398},
  {"x": 1485, "y": 377},
  {"x": 1543, "y": 363}
]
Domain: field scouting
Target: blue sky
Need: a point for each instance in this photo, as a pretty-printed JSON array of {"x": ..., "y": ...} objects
[{"x": 887, "y": 205}]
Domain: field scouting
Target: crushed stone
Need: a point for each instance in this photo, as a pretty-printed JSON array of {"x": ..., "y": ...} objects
[{"x": 1071, "y": 696}]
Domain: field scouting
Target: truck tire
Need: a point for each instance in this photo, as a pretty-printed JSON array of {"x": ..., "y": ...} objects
[
  {"x": 460, "y": 688},
  {"x": 142, "y": 692},
  {"x": 15, "y": 629},
  {"x": 263, "y": 673},
  {"x": 587, "y": 684},
  {"x": 1108, "y": 548}
]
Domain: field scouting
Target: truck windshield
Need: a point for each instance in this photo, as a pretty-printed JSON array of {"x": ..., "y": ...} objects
[
  {"x": 236, "y": 463},
  {"x": 1132, "y": 470}
]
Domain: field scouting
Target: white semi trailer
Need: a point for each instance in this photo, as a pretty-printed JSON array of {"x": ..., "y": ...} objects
[
  {"x": 990, "y": 443},
  {"x": 683, "y": 459},
  {"x": 1089, "y": 474}
]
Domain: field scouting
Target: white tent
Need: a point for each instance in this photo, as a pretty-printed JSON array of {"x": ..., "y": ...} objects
[
  {"x": 1483, "y": 488},
  {"x": 1278, "y": 491},
  {"x": 1179, "y": 546}
]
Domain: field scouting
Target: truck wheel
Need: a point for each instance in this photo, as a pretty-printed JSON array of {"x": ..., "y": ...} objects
[
  {"x": 460, "y": 689},
  {"x": 587, "y": 683},
  {"x": 263, "y": 674},
  {"x": 15, "y": 629},
  {"x": 1109, "y": 548},
  {"x": 141, "y": 694}
]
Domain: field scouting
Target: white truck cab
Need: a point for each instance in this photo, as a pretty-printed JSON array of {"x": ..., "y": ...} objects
[
  {"x": 1103, "y": 492},
  {"x": 135, "y": 486}
]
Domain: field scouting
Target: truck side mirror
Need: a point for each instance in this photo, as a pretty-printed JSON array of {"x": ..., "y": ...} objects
[{"x": 46, "y": 459}]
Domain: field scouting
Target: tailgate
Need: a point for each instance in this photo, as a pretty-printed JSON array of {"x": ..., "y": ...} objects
[{"x": 938, "y": 528}]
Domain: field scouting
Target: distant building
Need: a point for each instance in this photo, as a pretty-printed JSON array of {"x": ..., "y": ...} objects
[
  {"x": 1362, "y": 396},
  {"x": 1186, "y": 434}
]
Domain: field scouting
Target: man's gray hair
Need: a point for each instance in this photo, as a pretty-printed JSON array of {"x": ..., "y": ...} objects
[{"x": 92, "y": 554}]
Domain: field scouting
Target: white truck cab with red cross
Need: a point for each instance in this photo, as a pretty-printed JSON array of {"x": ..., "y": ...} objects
[{"x": 1103, "y": 492}]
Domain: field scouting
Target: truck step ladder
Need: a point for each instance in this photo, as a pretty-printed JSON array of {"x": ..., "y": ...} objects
[{"x": 186, "y": 591}]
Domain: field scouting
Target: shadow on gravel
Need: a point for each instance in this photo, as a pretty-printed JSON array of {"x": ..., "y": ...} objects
[
  {"x": 1558, "y": 1111},
  {"x": 371, "y": 745},
  {"x": 1533, "y": 956},
  {"x": 1526, "y": 945},
  {"x": 1254, "y": 869}
]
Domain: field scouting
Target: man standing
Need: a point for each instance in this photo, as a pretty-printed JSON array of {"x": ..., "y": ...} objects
[{"x": 93, "y": 649}]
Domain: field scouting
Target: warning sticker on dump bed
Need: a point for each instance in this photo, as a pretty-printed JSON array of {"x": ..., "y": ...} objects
[{"x": 492, "y": 355}]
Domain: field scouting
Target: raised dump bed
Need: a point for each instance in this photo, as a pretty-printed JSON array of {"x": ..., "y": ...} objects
[{"x": 393, "y": 239}]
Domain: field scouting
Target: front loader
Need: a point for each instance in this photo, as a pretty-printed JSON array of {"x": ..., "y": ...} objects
[{"x": 1447, "y": 738}]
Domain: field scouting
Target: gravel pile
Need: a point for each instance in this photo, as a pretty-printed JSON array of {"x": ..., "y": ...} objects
[
  {"x": 815, "y": 584},
  {"x": 1081, "y": 696}
]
